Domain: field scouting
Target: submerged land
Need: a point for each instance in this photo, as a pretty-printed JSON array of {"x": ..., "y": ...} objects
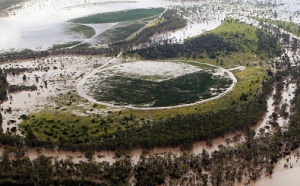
[{"x": 149, "y": 93}]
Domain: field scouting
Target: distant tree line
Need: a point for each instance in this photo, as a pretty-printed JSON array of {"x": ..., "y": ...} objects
[{"x": 30, "y": 54}]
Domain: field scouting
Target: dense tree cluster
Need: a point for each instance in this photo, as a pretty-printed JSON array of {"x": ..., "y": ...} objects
[
  {"x": 49, "y": 171},
  {"x": 267, "y": 44}
]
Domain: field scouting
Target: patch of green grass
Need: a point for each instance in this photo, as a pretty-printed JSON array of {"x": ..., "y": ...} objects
[
  {"x": 240, "y": 35},
  {"x": 120, "y": 16},
  {"x": 87, "y": 31},
  {"x": 232, "y": 36},
  {"x": 285, "y": 25},
  {"x": 58, "y": 126}
]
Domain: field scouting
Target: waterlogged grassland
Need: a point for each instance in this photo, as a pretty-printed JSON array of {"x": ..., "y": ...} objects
[
  {"x": 120, "y": 16},
  {"x": 84, "y": 30},
  {"x": 59, "y": 125},
  {"x": 186, "y": 89},
  {"x": 87, "y": 127},
  {"x": 285, "y": 25}
]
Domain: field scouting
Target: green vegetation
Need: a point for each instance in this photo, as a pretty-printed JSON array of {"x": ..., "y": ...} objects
[
  {"x": 237, "y": 110},
  {"x": 285, "y": 25},
  {"x": 64, "y": 127},
  {"x": 84, "y": 30},
  {"x": 50, "y": 171},
  {"x": 249, "y": 82},
  {"x": 232, "y": 36},
  {"x": 3, "y": 86},
  {"x": 139, "y": 92},
  {"x": 120, "y": 16},
  {"x": 49, "y": 126},
  {"x": 248, "y": 39},
  {"x": 76, "y": 133},
  {"x": 19, "y": 88},
  {"x": 3, "y": 92}
]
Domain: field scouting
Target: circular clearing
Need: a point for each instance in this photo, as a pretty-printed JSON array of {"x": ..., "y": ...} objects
[{"x": 153, "y": 85}]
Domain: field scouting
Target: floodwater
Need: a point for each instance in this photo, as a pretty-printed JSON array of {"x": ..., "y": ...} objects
[
  {"x": 288, "y": 177},
  {"x": 40, "y": 24},
  {"x": 282, "y": 175}
]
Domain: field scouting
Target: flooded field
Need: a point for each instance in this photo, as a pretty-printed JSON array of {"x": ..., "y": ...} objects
[
  {"x": 80, "y": 82},
  {"x": 157, "y": 84},
  {"x": 52, "y": 77}
]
